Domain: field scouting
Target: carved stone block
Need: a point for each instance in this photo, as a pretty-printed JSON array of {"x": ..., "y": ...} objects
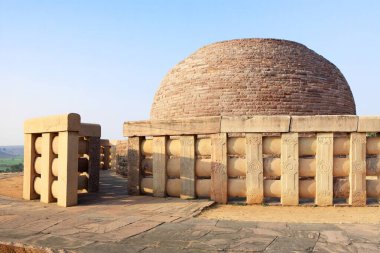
[
  {"x": 68, "y": 169},
  {"x": 289, "y": 169},
  {"x": 133, "y": 167},
  {"x": 324, "y": 169},
  {"x": 357, "y": 176},
  {"x": 219, "y": 178},
  {"x": 254, "y": 160},
  {"x": 187, "y": 167},
  {"x": 46, "y": 169},
  {"x": 159, "y": 166},
  {"x": 93, "y": 163},
  {"x": 29, "y": 172}
]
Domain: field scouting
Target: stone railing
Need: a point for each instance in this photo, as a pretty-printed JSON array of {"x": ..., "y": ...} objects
[
  {"x": 105, "y": 154},
  {"x": 113, "y": 155},
  {"x": 289, "y": 158},
  {"x": 119, "y": 154},
  {"x": 61, "y": 156}
]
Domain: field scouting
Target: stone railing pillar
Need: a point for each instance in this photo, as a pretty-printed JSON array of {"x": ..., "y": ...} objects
[
  {"x": 289, "y": 169},
  {"x": 159, "y": 166},
  {"x": 357, "y": 169},
  {"x": 324, "y": 170},
  {"x": 187, "y": 167},
  {"x": 254, "y": 160},
  {"x": 30, "y": 156},
  {"x": 134, "y": 165},
  {"x": 219, "y": 178}
]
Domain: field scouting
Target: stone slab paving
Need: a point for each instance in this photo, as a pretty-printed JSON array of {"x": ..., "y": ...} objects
[
  {"x": 110, "y": 222},
  {"x": 203, "y": 235},
  {"x": 107, "y": 216}
]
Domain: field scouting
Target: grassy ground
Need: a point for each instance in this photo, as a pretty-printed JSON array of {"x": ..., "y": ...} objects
[{"x": 11, "y": 164}]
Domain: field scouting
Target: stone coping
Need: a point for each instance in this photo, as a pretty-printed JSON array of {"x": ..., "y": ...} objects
[
  {"x": 199, "y": 125},
  {"x": 90, "y": 130},
  {"x": 55, "y": 123},
  {"x": 253, "y": 124},
  {"x": 70, "y": 122}
]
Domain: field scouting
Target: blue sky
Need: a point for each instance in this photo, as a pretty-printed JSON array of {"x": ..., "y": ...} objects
[{"x": 105, "y": 59}]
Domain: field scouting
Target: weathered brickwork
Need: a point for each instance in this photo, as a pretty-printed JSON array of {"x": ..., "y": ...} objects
[{"x": 253, "y": 77}]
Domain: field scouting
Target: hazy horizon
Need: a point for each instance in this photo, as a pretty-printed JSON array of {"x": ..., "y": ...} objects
[{"x": 105, "y": 59}]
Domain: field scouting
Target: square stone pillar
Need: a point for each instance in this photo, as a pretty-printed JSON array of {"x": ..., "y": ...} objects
[
  {"x": 289, "y": 169},
  {"x": 93, "y": 163},
  {"x": 29, "y": 171},
  {"x": 324, "y": 170},
  {"x": 47, "y": 177},
  {"x": 68, "y": 169},
  {"x": 219, "y": 178},
  {"x": 357, "y": 175},
  {"x": 134, "y": 165},
  {"x": 159, "y": 166},
  {"x": 113, "y": 156},
  {"x": 254, "y": 177},
  {"x": 106, "y": 157},
  {"x": 187, "y": 167}
]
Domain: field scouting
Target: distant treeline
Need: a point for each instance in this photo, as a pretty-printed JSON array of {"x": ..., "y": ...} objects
[
  {"x": 13, "y": 168},
  {"x": 14, "y": 164}
]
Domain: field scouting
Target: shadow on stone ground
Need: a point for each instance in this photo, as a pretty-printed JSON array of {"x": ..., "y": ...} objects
[{"x": 111, "y": 187}]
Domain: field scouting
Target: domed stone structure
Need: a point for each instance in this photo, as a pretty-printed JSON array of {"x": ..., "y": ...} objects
[{"x": 253, "y": 77}]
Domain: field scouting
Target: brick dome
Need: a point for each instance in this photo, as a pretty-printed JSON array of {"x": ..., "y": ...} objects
[{"x": 253, "y": 77}]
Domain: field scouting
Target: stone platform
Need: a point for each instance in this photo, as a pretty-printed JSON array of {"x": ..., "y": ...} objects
[{"x": 110, "y": 221}]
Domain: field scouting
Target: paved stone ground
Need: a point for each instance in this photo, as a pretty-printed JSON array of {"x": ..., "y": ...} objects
[
  {"x": 107, "y": 216},
  {"x": 202, "y": 235},
  {"x": 111, "y": 222}
]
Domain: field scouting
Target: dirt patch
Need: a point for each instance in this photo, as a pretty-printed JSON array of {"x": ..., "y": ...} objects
[
  {"x": 5, "y": 248},
  {"x": 297, "y": 214},
  {"x": 11, "y": 186}
]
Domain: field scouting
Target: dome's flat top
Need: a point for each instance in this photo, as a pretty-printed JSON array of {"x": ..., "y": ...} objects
[{"x": 253, "y": 77}]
